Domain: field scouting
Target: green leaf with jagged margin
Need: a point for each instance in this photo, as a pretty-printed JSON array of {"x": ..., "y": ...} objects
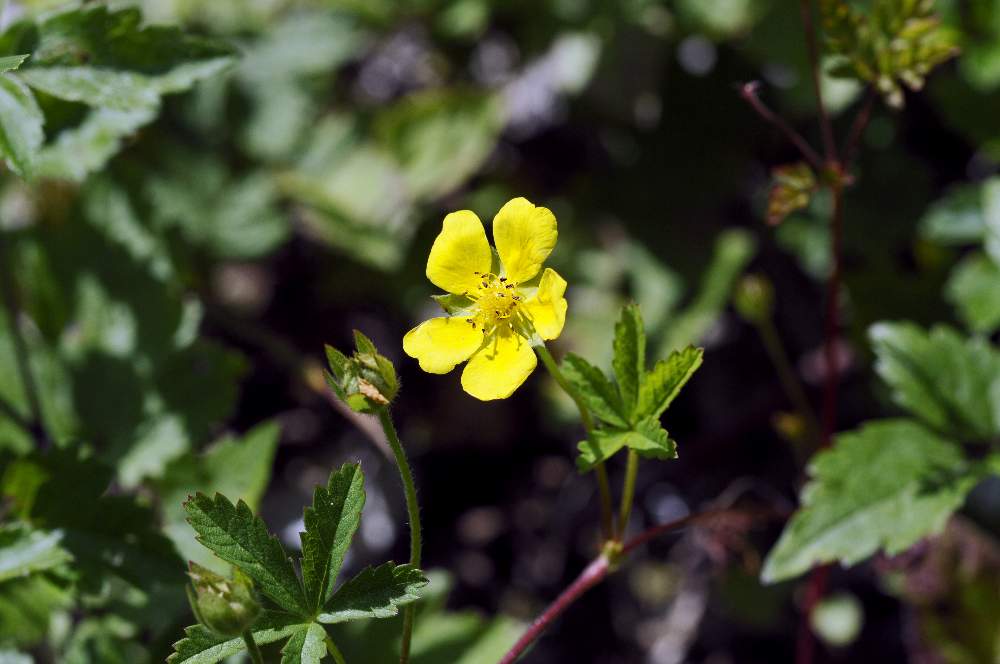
[
  {"x": 949, "y": 381},
  {"x": 884, "y": 486},
  {"x": 664, "y": 381},
  {"x": 234, "y": 534},
  {"x": 307, "y": 645},
  {"x": 647, "y": 438},
  {"x": 238, "y": 467},
  {"x": 599, "y": 394},
  {"x": 12, "y": 62},
  {"x": 629, "y": 359},
  {"x": 376, "y": 592},
  {"x": 21, "y": 120},
  {"x": 24, "y": 551},
  {"x": 330, "y": 524},
  {"x": 974, "y": 290},
  {"x": 201, "y": 646}
]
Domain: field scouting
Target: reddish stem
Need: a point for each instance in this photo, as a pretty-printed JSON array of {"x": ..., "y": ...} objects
[
  {"x": 749, "y": 93},
  {"x": 590, "y": 577},
  {"x": 812, "y": 46},
  {"x": 599, "y": 568}
]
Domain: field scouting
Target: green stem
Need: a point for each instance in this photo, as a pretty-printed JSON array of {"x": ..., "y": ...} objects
[
  {"x": 334, "y": 651},
  {"x": 410, "y": 489},
  {"x": 252, "y": 648},
  {"x": 628, "y": 492},
  {"x": 600, "y": 471},
  {"x": 786, "y": 374}
]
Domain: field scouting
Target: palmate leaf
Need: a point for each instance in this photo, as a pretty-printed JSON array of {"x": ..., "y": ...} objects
[
  {"x": 237, "y": 536},
  {"x": 376, "y": 592},
  {"x": 647, "y": 438},
  {"x": 950, "y": 382},
  {"x": 330, "y": 523},
  {"x": 884, "y": 486},
  {"x": 201, "y": 646},
  {"x": 307, "y": 645}
]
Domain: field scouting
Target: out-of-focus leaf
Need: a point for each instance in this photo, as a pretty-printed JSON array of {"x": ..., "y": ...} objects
[
  {"x": 230, "y": 216},
  {"x": 27, "y": 607},
  {"x": 791, "y": 189},
  {"x": 991, "y": 218},
  {"x": 733, "y": 251},
  {"x": 24, "y": 551},
  {"x": 356, "y": 198},
  {"x": 950, "y": 382},
  {"x": 808, "y": 238},
  {"x": 11, "y": 62},
  {"x": 440, "y": 139},
  {"x": 722, "y": 18},
  {"x": 974, "y": 290},
  {"x": 884, "y": 486},
  {"x": 956, "y": 218},
  {"x": 21, "y": 120}
]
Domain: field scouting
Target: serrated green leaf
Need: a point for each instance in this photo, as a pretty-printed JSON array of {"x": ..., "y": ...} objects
[
  {"x": 12, "y": 62},
  {"x": 330, "y": 524},
  {"x": 305, "y": 646},
  {"x": 200, "y": 646},
  {"x": 884, "y": 486},
  {"x": 629, "y": 359},
  {"x": 974, "y": 290},
  {"x": 237, "y": 536},
  {"x": 598, "y": 393},
  {"x": 647, "y": 438},
  {"x": 21, "y": 120},
  {"x": 118, "y": 90},
  {"x": 237, "y": 467},
  {"x": 376, "y": 592},
  {"x": 664, "y": 381},
  {"x": 950, "y": 382},
  {"x": 24, "y": 551}
]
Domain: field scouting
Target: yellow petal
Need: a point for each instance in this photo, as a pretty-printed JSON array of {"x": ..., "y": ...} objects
[
  {"x": 547, "y": 308},
  {"x": 499, "y": 367},
  {"x": 460, "y": 250},
  {"x": 524, "y": 235},
  {"x": 441, "y": 343}
]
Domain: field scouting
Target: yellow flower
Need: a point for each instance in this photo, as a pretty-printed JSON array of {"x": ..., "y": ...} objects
[{"x": 499, "y": 308}]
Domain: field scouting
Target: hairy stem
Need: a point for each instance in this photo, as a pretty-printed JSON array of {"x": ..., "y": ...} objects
[
  {"x": 628, "y": 492},
  {"x": 252, "y": 648},
  {"x": 331, "y": 647},
  {"x": 789, "y": 380},
  {"x": 600, "y": 471},
  {"x": 410, "y": 489}
]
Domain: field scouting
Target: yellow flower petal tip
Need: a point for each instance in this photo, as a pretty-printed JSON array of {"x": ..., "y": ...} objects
[{"x": 494, "y": 318}]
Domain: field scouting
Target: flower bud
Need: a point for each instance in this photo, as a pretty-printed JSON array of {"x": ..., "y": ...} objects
[
  {"x": 754, "y": 298},
  {"x": 366, "y": 380},
  {"x": 228, "y": 607}
]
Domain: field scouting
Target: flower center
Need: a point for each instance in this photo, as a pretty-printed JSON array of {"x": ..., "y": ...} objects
[{"x": 496, "y": 301}]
